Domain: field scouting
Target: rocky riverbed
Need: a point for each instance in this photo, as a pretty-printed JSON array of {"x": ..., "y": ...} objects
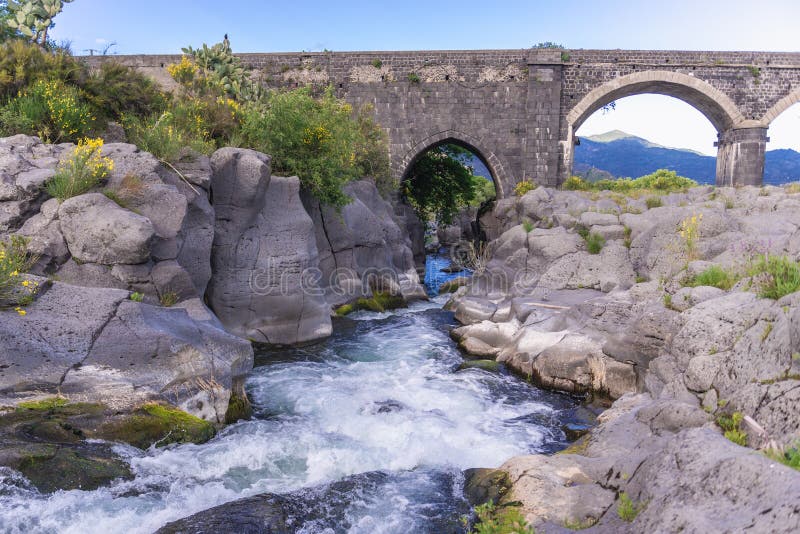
[
  {"x": 132, "y": 394},
  {"x": 639, "y": 322}
]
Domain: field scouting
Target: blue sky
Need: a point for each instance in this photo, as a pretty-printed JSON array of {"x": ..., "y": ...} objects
[{"x": 148, "y": 26}]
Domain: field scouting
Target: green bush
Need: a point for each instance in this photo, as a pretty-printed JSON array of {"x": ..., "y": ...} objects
[
  {"x": 116, "y": 90},
  {"x": 663, "y": 181},
  {"x": 164, "y": 137},
  {"x": 523, "y": 187},
  {"x": 50, "y": 109},
  {"x": 653, "y": 202},
  {"x": 595, "y": 243},
  {"x": 23, "y": 64},
  {"x": 83, "y": 171},
  {"x": 576, "y": 183},
  {"x": 500, "y": 520},
  {"x": 776, "y": 276},
  {"x": 317, "y": 139},
  {"x": 714, "y": 276}
]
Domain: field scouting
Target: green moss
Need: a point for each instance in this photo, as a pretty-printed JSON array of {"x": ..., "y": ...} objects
[
  {"x": 378, "y": 302},
  {"x": 486, "y": 365},
  {"x": 157, "y": 424},
  {"x": 52, "y": 468},
  {"x": 43, "y": 405},
  {"x": 575, "y": 524},
  {"x": 451, "y": 286},
  {"x": 579, "y": 447},
  {"x": 790, "y": 457},
  {"x": 238, "y": 408}
]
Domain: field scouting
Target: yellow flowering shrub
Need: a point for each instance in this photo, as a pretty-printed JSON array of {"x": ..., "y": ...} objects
[
  {"x": 85, "y": 169},
  {"x": 184, "y": 71},
  {"x": 50, "y": 109},
  {"x": 15, "y": 290},
  {"x": 523, "y": 187}
]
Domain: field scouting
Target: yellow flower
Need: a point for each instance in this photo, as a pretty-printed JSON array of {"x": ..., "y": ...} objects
[
  {"x": 26, "y": 283},
  {"x": 20, "y": 311}
]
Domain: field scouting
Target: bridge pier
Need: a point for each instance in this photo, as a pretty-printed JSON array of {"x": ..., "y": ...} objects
[{"x": 740, "y": 156}]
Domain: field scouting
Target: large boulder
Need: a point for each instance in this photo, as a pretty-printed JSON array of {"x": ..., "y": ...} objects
[
  {"x": 96, "y": 345},
  {"x": 363, "y": 241},
  {"x": 98, "y": 230},
  {"x": 264, "y": 254}
]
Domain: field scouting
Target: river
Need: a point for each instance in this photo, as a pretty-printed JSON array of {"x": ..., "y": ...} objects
[{"x": 383, "y": 397}]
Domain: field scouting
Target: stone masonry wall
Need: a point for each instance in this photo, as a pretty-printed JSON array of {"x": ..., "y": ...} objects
[{"x": 513, "y": 106}]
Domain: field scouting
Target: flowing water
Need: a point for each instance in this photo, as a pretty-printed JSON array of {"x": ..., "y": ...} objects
[{"x": 382, "y": 398}]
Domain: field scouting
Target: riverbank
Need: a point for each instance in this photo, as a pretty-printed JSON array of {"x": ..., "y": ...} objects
[{"x": 683, "y": 308}]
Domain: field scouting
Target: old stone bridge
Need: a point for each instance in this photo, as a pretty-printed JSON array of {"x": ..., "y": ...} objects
[{"x": 519, "y": 109}]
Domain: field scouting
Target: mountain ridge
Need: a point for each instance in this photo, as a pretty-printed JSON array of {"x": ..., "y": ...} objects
[{"x": 617, "y": 154}]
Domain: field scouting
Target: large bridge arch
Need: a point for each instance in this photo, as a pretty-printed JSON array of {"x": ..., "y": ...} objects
[
  {"x": 716, "y": 106},
  {"x": 780, "y": 106},
  {"x": 491, "y": 159}
]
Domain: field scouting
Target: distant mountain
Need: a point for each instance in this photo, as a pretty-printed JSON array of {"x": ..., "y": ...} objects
[{"x": 618, "y": 154}]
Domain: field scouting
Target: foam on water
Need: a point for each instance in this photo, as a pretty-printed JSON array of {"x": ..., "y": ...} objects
[{"x": 381, "y": 395}]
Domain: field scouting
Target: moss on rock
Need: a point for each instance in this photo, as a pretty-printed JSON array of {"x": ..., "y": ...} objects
[
  {"x": 486, "y": 365},
  {"x": 238, "y": 408},
  {"x": 378, "y": 302},
  {"x": 88, "y": 467},
  {"x": 158, "y": 424}
]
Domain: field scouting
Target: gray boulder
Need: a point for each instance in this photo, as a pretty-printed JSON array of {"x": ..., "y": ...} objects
[
  {"x": 97, "y": 230},
  {"x": 264, "y": 251}
]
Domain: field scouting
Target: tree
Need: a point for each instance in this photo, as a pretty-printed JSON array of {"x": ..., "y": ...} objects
[
  {"x": 6, "y": 32},
  {"x": 441, "y": 182},
  {"x": 33, "y": 18}
]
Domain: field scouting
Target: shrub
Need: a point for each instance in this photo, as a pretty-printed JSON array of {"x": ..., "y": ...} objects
[
  {"x": 627, "y": 509},
  {"x": 500, "y": 520},
  {"x": 775, "y": 276},
  {"x": 528, "y": 226},
  {"x": 576, "y": 183},
  {"x": 653, "y": 202},
  {"x": 162, "y": 137},
  {"x": 317, "y": 139},
  {"x": 377, "y": 63},
  {"x": 714, "y": 276},
  {"x": 413, "y": 77},
  {"x": 136, "y": 296},
  {"x": 595, "y": 243},
  {"x": 83, "y": 171},
  {"x": 14, "y": 261},
  {"x": 50, "y": 109},
  {"x": 523, "y": 187},
  {"x": 116, "y": 90},
  {"x": 662, "y": 180},
  {"x": 23, "y": 64}
]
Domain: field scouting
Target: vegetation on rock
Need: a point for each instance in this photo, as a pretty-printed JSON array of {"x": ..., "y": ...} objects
[
  {"x": 493, "y": 519},
  {"x": 775, "y": 276},
  {"x": 378, "y": 302},
  {"x": 81, "y": 172},
  {"x": 663, "y": 180},
  {"x": 714, "y": 276},
  {"x": 15, "y": 290}
]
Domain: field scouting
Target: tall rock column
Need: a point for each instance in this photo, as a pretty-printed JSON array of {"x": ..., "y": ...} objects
[
  {"x": 740, "y": 156},
  {"x": 264, "y": 254}
]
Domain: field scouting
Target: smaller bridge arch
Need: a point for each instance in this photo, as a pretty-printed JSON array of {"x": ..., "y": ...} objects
[
  {"x": 492, "y": 161},
  {"x": 741, "y": 142}
]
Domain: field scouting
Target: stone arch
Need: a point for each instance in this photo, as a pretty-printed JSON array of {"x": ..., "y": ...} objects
[
  {"x": 715, "y": 105},
  {"x": 780, "y": 106},
  {"x": 492, "y": 161}
]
